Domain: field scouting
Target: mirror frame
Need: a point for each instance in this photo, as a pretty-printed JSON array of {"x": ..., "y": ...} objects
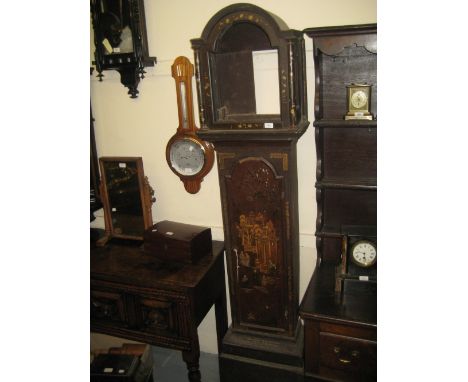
[{"x": 146, "y": 197}]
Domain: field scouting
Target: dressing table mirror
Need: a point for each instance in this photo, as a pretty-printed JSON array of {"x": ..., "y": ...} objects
[{"x": 127, "y": 198}]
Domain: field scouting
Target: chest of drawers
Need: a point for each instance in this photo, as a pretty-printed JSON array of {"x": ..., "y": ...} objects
[{"x": 340, "y": 332}]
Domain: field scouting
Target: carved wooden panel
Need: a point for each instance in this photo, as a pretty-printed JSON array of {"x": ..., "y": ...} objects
[
  {"x": 165, "y": 316},
  {"x": 157, "y": 315},
  {"x": 107, "y": 306}
]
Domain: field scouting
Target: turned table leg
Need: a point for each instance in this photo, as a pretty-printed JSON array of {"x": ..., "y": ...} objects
[{"x": 192, "y": 359}]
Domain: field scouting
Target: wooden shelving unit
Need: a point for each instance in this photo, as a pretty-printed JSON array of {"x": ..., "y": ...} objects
[{"x": 341, "y": 329}]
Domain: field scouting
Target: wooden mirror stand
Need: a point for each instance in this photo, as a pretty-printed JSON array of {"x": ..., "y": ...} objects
[{"x": 127, "y": 198}]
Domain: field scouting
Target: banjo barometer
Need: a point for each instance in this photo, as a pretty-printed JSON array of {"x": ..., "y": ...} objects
[{"x": 188, "y": 156}]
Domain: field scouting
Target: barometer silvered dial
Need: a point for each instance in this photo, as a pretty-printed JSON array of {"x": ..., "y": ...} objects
[{"x": 187, "y": 156}]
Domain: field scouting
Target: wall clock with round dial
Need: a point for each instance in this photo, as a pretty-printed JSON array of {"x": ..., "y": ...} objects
[{"x": 188, "y": 156}]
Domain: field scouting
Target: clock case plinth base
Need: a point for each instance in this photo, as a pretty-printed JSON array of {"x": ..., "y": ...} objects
[{"x": 250, "y": 358}]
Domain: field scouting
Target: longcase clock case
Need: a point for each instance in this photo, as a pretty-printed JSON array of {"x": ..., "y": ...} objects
[{"x": 256, "y": 156}]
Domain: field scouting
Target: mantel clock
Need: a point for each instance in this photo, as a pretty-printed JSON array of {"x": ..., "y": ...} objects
[
  {"x": 120, "y": 40},
  {"x": 250, "y": 73},
  {"x": 358, "y": 96},
  {"x": 357, "y": 270}
]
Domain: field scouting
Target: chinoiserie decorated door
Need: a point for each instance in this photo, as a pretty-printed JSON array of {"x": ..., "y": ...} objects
[{"x": 262, "y": 253}]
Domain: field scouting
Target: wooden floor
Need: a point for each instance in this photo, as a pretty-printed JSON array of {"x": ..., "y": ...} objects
[{"x": 168, "y": 366}]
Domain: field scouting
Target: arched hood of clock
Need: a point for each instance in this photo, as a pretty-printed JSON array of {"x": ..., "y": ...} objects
[{"x": 243, "y": 18}]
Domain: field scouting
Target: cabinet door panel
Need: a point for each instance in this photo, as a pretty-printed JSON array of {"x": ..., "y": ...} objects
[{"x": 256, "y": 206}]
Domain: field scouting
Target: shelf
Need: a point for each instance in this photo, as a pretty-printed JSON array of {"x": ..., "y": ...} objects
[
  {"x": 321, "y": 302},
  {"x": 330, "y": 123},
  {"x": 340, "y": 312},
  {"x": 329, "y": 231},
  {"x": 335, "y": 231},
  {"x": 349, "y": 184},
  {"x": 342, "y": 30}
]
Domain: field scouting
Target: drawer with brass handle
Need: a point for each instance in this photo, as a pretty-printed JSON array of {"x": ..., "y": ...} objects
[{"x": 347, "y": 353}]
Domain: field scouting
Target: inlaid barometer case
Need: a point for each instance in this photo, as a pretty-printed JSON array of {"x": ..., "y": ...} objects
[{"x": 250, "y": 74}]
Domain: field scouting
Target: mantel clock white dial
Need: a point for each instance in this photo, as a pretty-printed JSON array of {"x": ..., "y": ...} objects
[{"x": 364, "y": 253}]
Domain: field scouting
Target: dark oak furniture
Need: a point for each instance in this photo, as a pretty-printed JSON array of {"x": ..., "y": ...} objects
[
  {"x": 340, "y": 322},
  {"x": 256, "y": 154},
  {"x": 340, "y": 339},
  {"x": 177, "y": 242},
  {"x": 137, "y": 297}
]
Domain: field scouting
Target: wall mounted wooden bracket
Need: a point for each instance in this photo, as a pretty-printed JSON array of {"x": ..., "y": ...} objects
[{"x": 120, "y": 40}]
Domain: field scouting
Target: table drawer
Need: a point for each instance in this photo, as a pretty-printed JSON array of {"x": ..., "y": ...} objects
[
  {"x": 108, "y": 306},
  {"x": 162, "y": 315},
  {"x": 348, "y": 354}
]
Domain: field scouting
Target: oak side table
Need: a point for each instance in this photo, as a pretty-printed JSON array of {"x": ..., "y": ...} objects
[{"x": 136, "y": 297}]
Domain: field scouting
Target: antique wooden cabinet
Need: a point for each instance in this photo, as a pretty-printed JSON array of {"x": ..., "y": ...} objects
[
  {"x": 252, "y": 106},
  {"x": 340, "y": 322}
]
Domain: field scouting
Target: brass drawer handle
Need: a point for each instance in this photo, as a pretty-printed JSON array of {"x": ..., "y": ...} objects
[{"x": 354, "y": 353}]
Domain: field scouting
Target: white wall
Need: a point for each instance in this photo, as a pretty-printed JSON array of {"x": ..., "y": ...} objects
[{"x": 143, "y": 126}]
